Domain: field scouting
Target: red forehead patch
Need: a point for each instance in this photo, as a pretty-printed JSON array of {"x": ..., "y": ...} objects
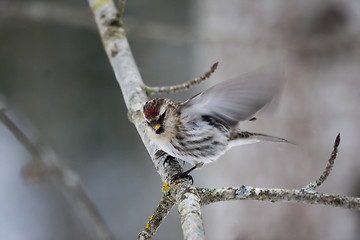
[{"x": 151, "y": 112}]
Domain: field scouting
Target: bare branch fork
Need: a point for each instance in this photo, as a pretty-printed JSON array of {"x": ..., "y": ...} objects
[{"x": 189, "y": 198}]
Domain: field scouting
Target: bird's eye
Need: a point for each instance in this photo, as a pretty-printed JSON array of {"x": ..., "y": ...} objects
[{"x": 162, "y": 116}]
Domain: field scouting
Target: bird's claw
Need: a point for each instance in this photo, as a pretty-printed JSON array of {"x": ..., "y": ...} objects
[
  {"x": 168, "y": 160},
  {"x": 182, "y": 176}
]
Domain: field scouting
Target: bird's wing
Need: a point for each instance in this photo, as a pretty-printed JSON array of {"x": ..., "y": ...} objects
[{"x": 236, "y": 99}]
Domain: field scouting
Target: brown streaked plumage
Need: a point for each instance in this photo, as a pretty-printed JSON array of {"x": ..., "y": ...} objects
[{"x": 201, "y": 129}]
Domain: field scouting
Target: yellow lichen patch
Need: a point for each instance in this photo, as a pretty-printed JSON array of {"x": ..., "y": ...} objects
[
  {"x": 175, "y": 185},
  {"x": 147, "y": 225},
  {"x": 166, "y": 187},
  {"x": 98, "y": 4}
]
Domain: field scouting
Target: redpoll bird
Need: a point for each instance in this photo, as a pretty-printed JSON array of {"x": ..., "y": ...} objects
[{"x": 204, "y": 127}]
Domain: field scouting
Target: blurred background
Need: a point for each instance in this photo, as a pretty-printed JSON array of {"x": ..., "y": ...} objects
[{"x": 60, "y": 89}]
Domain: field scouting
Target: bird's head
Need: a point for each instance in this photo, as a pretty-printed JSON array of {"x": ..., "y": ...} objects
[{"x": 157, "y": 113}]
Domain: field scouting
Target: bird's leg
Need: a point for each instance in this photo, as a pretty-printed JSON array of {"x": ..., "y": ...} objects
[{"x": 186, "y": 173}]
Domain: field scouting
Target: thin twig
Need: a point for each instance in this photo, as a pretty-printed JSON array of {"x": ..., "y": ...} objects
[
  {"x": 121, "y": 8},
  {"x": 19, "y": 135},
  {"x": 43, "y": 167},
  {"x": 313, "y": 185},
  {"x": 181, "y": 87}
]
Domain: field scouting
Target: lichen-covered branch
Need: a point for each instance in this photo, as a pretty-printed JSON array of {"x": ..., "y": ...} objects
[
  {"x": 276, "y": 195},
  {"x": 164, "y": 207},
  {"x": 45, "y": 165},
  {"x": 122, "y": 61},
  {"x": 167, "y": 165},
  {"x": 190, "y": 214},
  {"x": 131, "y": 84},
  {"x": 181, "y": 87},
  {"x": 304, "y": 195}
]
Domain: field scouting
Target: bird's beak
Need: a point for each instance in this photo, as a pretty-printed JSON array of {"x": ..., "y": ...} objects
[{"x": 157, "y": 126}]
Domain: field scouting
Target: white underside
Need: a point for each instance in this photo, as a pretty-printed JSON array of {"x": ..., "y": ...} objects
[
  {"x": 169, "y": 149},
  {"x": 199, "y": 131}
]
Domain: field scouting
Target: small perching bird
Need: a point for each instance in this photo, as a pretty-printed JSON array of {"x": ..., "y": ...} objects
[{"x": 204, "y": 127}]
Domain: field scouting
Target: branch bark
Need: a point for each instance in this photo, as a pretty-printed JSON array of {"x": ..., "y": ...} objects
[
  {"x": 277, "y": 195},
  {"x": 190, "y": 215},
  {"x": 181, "y": 87},
  {"x": 164, "y": 207}
]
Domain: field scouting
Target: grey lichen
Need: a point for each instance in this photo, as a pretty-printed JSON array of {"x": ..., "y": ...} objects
[{"x": 242, "y": 192}]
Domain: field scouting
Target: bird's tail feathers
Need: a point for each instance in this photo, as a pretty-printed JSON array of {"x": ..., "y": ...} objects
[
  {"x": 243, "y": 137},
  {"x": 264, "y": 137}
]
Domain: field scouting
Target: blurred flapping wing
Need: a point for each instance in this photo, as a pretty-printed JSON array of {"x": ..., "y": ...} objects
[{"x": 236, "y": 99}]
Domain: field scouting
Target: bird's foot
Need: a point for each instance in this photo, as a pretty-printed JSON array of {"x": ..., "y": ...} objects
[
  {"x": 168, "y": 160},
  {"x": 184, "y": 175}
]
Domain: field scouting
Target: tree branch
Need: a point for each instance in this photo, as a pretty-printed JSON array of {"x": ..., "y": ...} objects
[
  {"x": 121, "y": 8},
  {"x": 276, "y": 195},
  {"x": 45, "y": 165},
  {"x": 313, "y": 185},
  {"x": 19, "y": 135},
  {"x": 190, "y": 215},
  {"x": 131, "y": 84},
  {"x": 304, "y": 195},
  {"x": 181, "y": 87},
  {"x": 164, "y": 207}
]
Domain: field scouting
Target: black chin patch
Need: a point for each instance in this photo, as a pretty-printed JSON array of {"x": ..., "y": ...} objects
[{"x": 160, "y": 130}]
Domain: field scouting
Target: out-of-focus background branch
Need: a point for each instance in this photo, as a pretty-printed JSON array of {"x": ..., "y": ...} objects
[
  {"x": 44, "y": 166},
  {"x": 54, "y": 73}
]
